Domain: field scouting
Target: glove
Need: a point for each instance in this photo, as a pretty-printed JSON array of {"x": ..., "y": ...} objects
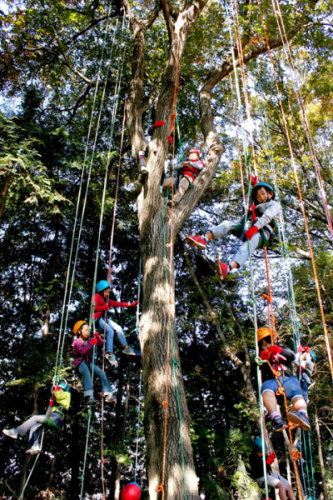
[
  {"x": 56, "y": 388},
  {"x": 96, "y": 335},
  {"x": 265, "y": 355},
  {"x": 133, "y": 304},
  {"x": 300, "y": 349},
  {"x": 248, "y": 235},
  {"x": 160, "y": 123},
  {"x": 275, "y": 349},
  {"x": 307, "y": 350},
  {"x": 251, "y": 210},
  {"x": 94, "y": 341},
  {"x": 254, "y": 179},
  {"x": 271, "y": 457}
]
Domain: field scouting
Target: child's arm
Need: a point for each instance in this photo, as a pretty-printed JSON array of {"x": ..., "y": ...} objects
[
  {"x": 113, "y": 303},
  {"x": 81, "y": 348},
  {"x": 100, "y": 305},
  {"x": 198, "y": 165},
  {"x": 270, "y": 213},
  {"x": 309, "y": 364}
]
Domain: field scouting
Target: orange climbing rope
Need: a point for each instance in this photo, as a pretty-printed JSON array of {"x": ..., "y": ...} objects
[
  {"x": 301, "y": 200},
  {"x": 235, "y": 16},
  {"x": 296, "y": 455},
  {"x": 269, "y": 298},
  {"x": 160, "y": 488},
  {"x": 289, "y": 57}
]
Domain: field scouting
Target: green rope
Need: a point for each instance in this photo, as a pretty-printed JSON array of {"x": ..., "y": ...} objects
[
  {"x": 306, "y": 462},
  {"x": 32, "y": 468},
  {"x": 92, "y": 306},
  {"x": 174, "y": 362},
  {"x": 65, "y": 307},
  {"x": 246, "y": 158},
  {"x": 313, "y": 481}
]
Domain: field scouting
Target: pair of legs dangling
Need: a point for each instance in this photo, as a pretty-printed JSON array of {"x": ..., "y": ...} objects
[
  {"x": 242, "y": 254},
  {"x": 110, "y": 327}
]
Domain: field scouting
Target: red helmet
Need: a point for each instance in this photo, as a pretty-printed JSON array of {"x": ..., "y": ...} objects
[{"x": 195, "y": 150}]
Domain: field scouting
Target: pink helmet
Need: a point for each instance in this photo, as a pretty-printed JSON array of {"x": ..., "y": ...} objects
[{"x": 195, "y": 150}]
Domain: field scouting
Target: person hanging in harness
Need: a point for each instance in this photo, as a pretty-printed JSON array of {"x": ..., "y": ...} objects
[
  {"x": 83, "y": 350},
  {"x": 61, "y": 402},
  {"x": 274, "y": 480},
  {"x": 280, "y": 359},
  {"x": 189, "y": 169},
  {"x": 103, "y": 304},
  {"x": 305, "y": 362},
  {"x": 265, "y": 214}
]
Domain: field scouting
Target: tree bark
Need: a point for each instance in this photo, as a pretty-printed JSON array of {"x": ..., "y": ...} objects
[{"x": 8, "y": 180}]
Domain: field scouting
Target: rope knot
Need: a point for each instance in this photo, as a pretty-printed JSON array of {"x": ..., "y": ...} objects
[
  {"x": 280, "y": 391},
  {"x": 260, "y": 361},
  {"x": 165, "y": 403},
  {"x": 296, "y": 455},
  {"x": 268, "y": 298},
  {"x": 159, "y": 488}
]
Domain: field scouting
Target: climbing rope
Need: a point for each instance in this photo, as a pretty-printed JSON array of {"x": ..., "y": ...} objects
[
  {"x": 138, "y": 429},
  {"x": 301, "y": 200},
  {"x": 295, "y": 82},
  {"x": 113, "y": 117},
  {"x": 291, "y": 298},
  {"x": 68, "y": 293}
]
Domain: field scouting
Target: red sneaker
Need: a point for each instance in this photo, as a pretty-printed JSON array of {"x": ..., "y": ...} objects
[
  {"x": 222, "y": 269},
  {"x": 196, "y": 241}
]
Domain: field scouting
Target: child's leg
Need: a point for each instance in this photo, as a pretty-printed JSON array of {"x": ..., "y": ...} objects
[
  {"x": 36, "y": 435},
  {"x": 24, "y": 428},
  {"x": 220, "y": 230},
  {"x": 305, "y": 390},
  {"x": 109, "y": 334},
  {"x": 87, "y": 384},
  {"x": 270, "y": 402},
  {"x": 182, "y": 188},
  {"x": 243, "y": 252},
  {"x": 119, "y": 331},
  {"x": 168, "y": 182},
  {"x": 104, "y": 381}
]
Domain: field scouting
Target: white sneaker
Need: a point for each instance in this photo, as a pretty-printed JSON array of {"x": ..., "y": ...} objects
[
  {"x": 109, "y": 398},
  {"x": 12, "y": 433},
  {"x": 34, "y": 450}
]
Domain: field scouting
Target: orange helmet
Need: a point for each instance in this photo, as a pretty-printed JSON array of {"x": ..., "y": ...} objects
[
  {"x": 78, "y": 325},
  {"x": 262, "y": 333}
]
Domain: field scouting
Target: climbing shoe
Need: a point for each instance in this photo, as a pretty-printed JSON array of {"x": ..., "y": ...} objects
[
  {"x": 109, "y": 398},
  {"x": 90, "y": 400},
  {"x": 299, "y": 418},
  {"x": 279, "y": 424},
  {"x": 129, "y": 351},
  {"x": 196, "y": 241},
  {"x": 111, "y": 358},
  {"x": 222, "y": 269},
  {"x": 34, "y": 450},
  {"x": 12, "y": 433}
]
